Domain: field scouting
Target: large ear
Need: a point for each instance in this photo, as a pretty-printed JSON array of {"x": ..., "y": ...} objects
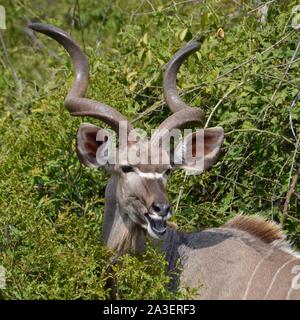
[
  {"x": 89, "y": 139},
  {"x": 199, "y": 150}
]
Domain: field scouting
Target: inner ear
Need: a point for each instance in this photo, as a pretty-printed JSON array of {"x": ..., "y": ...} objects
[
  {"x": 199, "y": 150},
  {"x": 89, "y": 139},
  {"x": 213, "y": 139}
]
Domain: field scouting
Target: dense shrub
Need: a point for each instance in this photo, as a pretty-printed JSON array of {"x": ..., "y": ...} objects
[{"x": 51, "y": 208}]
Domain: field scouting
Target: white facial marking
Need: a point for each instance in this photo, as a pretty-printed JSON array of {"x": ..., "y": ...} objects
[
  {"x": 150, "y": 175},
  {"x": 168, "y": 216},
  {"x": 151, "y": 233},
  {"x": 144, "y": 226},
  {"x": 155, "y": 216}
]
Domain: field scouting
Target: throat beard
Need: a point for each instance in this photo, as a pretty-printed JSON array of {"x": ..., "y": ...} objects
[{"x": 132, "y": 237}]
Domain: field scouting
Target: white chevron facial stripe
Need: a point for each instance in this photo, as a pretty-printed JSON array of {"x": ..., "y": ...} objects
[{"x": 149, "y": 175}]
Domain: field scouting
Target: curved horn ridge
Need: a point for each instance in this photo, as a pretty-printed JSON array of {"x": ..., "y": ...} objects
[
  {"x": 179, "y": 120},
  {"x": 98, "y": 110},
  {"x": 171, "y": 94},
  {"x": 75, "y": 102},
  {"x": 79, "y": 60},
  {"x": 182, "y": 118}
]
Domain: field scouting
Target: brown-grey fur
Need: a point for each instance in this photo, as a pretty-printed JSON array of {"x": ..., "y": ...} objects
[{"x": 223, "y": 263}]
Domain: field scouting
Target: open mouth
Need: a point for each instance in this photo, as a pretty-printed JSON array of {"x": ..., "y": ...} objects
[{"x": 157, "y": 226}]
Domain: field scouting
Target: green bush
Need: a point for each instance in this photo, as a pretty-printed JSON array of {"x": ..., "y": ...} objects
[{"x": 51, "y": 208}]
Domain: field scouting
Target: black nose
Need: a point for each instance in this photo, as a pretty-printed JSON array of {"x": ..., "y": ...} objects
[{"x": 161, "y": 208}]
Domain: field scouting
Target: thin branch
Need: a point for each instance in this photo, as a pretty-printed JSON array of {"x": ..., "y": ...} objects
[
  {"x": 253, "y": 58},
  {"x": 165, "y": 8},
  {"x": 290, "y": 192},
  {"x": 293, "y": 218},
  {"x": 149, "y": 110},
  {"x": 286, "y": 71},
  {"x": 16, "y": 79},
  {"x": 220, "y": 101},
  {"x": 181, "y": 189},
  {"x": 297, "y": 195},
  {"x": 291, "y": 187},
  {"x": 295, "y": 100},
  {"x": 151, "y": 5},
  {"x": 3, "y": 63},
  {"x": 260, "y": 131},
  {"x": 289, "y": 63},
  {"x": 281, "y": 81},
  {"x": 80, "y": 24},
  {"x": 36, "y": 42},
  {"x": 260, "y": 6}
]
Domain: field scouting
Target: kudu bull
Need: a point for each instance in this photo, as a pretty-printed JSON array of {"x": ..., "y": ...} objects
[{"x": 247, "y": 258}]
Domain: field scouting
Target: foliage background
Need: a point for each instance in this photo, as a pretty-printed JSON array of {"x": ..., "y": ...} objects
[{"x": 51, "y": 208}]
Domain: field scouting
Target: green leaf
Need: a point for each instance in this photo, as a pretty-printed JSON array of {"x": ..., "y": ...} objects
[{"x": 183, "y": 34}]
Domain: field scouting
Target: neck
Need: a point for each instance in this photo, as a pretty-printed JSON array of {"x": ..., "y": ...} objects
[
  {"x": 119, "y": 232},
  {"x": 169, "y": 246}
]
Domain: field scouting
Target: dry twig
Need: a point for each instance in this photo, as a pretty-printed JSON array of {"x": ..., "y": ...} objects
[{"x": 290, "y": 192}]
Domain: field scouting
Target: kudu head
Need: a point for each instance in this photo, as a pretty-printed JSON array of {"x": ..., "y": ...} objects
[{"x": 141, "y": 191}]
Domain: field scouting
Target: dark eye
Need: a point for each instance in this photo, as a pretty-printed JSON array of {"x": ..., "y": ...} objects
[
  {"x": 127, "y": 169},
  {"x": 167, "y": 172}
]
